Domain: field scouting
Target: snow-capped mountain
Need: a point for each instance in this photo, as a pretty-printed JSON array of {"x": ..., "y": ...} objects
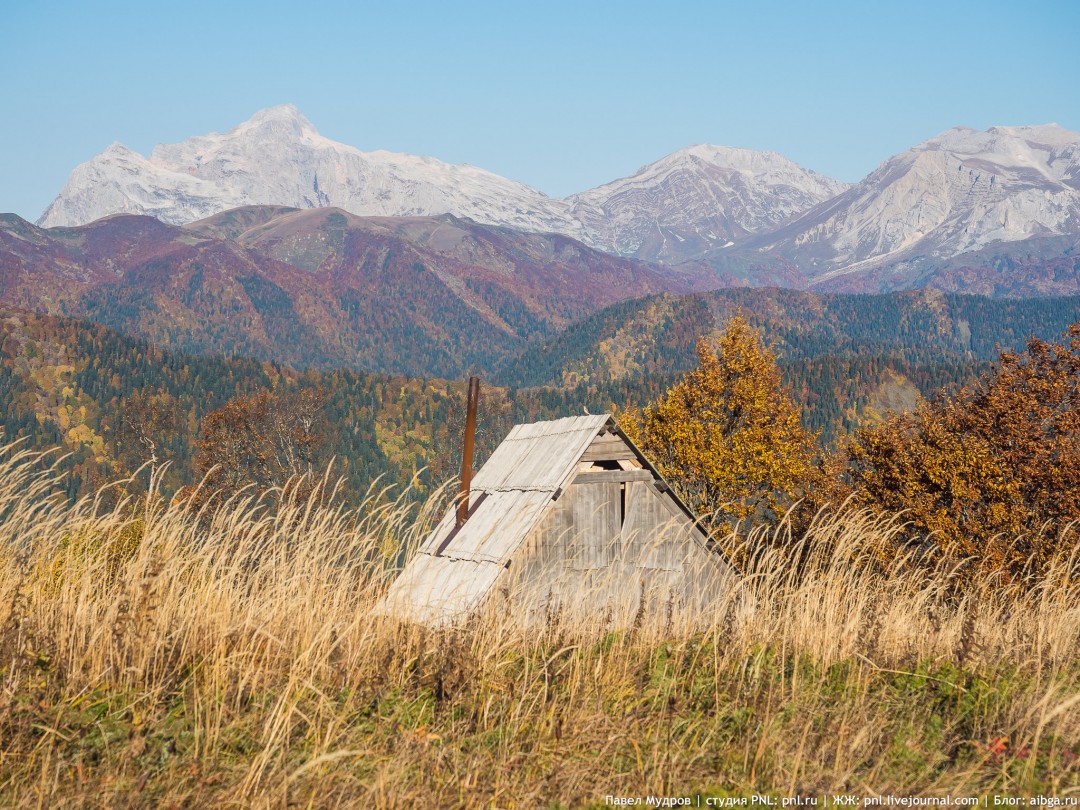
[
  {"x": 278, "y": 158},
  {"x": 698, "y": 198},
  {"x": 670, "y": 210},
  {"x": 960, "y": 191}
]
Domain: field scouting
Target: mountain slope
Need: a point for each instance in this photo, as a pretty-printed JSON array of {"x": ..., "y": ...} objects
[
  {"x": 425, "y": 296},
  {"x": 958, "y": 192},
  {"x": 557, "y": 279},
  {"x": 1037, "y": 267},
  {"x": 698, "y": 198}
]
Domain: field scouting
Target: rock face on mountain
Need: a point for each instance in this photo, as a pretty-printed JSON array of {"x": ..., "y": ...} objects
[
  {"x": 958, "y": 192},
  {"x": 696, "y": 199},
  {"x": 670, "y": 210},
  {"x": 752, "y": 218},
  {"x": 278, "y": 158}
]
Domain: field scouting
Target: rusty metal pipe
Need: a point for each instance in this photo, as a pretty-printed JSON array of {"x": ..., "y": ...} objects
[{"x": 467, "y": 450}]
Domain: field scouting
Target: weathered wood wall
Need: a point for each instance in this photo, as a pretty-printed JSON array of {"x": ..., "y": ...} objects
[{"x": 605, "y": 546}]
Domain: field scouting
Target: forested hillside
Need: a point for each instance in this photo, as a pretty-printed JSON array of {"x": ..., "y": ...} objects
[
  {"x": 106, "y": 398},
  {"x": 115, "y": 402},
  {"x": 322, "y": 288},
  {"x": 657, "y": 334}
]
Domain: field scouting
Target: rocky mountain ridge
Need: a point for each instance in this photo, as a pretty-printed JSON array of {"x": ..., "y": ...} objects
[
  {"x": 698, "y": 198},
  {"x": 958, "y": 192},
  {"x": 747, "y": 217},
  {"x": 278, "y": 158},
  {"x": 701, "y": 195}
]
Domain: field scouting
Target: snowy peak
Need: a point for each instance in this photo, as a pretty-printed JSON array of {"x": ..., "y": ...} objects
[
  {"x": 282, "y": 113},
  {"x": 769, "y": 170},
  {"x": 698, "y": 198},
  {"x": 1045, "y": 136},
  {"x": 277, "y": 157},
  {"x": 1040, "y": 152},
  {"x": 959, "y": 191},
  {"x": 284, "y": 124},
  {"x": 672, "y": 210},
  {"x": 118, "y": 151},
  {"x": 762, "y": 165},
  {"x": 121, "y": 181}
]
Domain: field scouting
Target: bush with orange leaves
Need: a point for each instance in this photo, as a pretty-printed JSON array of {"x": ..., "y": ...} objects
[{"x": 992, "y": 476}]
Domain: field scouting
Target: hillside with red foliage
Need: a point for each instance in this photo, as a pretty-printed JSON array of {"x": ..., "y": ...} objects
[{"x": 421, "y": 295}]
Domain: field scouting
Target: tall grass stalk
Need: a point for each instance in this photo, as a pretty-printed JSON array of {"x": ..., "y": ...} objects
[{"x": 156, "y": 657}]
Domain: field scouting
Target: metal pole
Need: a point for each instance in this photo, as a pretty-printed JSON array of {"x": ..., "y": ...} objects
[{"x": 467, "y": 450}]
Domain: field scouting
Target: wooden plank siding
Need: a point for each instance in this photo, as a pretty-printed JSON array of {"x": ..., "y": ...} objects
[
  {"x": 597, "y": 520},
  {"x": 612, "y": 476},
  {"x": 608, "y": 447},
  {"x": 645, "y": 515}
]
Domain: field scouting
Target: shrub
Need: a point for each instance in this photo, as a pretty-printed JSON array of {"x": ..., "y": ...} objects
[{"x": 992, "y": 475}]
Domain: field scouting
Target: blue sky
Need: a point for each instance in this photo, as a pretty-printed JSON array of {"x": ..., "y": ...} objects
[{"x": 562, "y": 96}]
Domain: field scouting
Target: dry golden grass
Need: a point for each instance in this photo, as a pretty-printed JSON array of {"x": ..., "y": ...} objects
[{"x": 153, "y": 658}]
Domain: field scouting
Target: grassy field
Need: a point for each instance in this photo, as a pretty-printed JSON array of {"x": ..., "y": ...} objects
[{"x": 153, "y": 658}]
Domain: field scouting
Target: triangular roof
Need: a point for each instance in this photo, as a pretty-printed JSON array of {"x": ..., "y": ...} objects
[{"x": 455, "y": 568}]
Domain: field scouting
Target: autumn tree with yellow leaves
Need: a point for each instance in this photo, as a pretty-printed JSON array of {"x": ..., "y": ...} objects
[{"x": 728, "y": 435}]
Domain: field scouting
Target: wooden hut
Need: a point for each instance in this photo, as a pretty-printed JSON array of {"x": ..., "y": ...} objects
[{"x": 566, "y": 516}]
